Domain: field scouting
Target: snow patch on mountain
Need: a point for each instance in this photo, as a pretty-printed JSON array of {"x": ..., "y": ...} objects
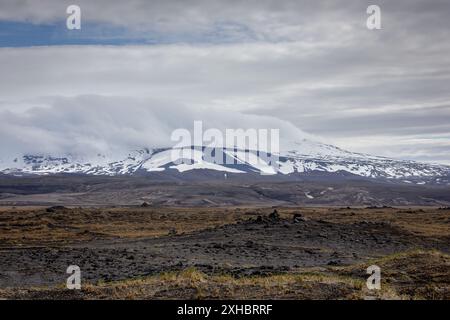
[{"x": 301, "y": 158}]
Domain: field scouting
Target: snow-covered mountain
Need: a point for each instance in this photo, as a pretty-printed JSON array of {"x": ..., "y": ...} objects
[{"x": 304, "y": 157}]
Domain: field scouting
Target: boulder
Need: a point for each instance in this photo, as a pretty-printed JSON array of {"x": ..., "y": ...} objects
[
  {"x": 274, "y": 215},
  {"x": 55, "y": 208},
  {"x": 298, "y": 218}
]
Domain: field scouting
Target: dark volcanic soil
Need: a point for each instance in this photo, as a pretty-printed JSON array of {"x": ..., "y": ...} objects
[
  {"x": 185, "y": 190},
  {"x": 257, "y": 246}
]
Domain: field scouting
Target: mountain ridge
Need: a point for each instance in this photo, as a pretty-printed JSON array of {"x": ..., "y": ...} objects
[{"x": 306, "y": 157}]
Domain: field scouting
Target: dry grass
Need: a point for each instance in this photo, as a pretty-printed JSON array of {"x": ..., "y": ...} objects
[
  {"x": 425, "y": 221},
  {"x": 409, "y": 275},
  {"x": 34, "y": 226},
  {"x": 193, "y": 284}
]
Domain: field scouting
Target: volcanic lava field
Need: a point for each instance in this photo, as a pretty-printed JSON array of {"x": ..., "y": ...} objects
[{"x": 233, "y": 252}]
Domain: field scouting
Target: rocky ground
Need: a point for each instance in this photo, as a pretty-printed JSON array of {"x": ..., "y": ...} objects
[
  {"x": 185, "y": 190},
  {"x": 322, "y": 247}
]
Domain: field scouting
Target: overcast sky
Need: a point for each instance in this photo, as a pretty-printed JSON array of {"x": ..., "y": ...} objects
[{"x": 138, "y": 69}]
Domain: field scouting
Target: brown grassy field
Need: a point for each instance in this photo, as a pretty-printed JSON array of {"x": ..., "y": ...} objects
[
  {"x": 28, "y": 226},
  {"x": 421, "y": 271},
  {"x": 415, "y": 275}
]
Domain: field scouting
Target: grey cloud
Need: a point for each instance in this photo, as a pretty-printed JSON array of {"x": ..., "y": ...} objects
[
  {"x": 310, "y": 21},
  {"x": 312, "y": 63},
  {"x": 88, "y": 125},
  {"x": 429, "y": 120}
]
